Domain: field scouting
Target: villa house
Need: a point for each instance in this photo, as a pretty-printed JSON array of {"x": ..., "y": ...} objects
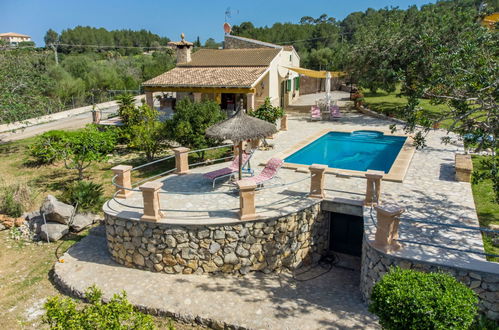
[
  {"x": 246, "y": 71},
  {"x": 14, "y": 39}
]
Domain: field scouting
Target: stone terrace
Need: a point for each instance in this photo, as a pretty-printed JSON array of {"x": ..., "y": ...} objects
[{"x": 429, "y": 192}]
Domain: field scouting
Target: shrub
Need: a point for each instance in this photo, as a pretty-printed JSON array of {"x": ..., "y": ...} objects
[
  {"x": 88, "y": 195},
  {"x": 267, "y": 112},
  {"x": 15, "y": 198},
  {"x": 118, "y": 313},
  {"x": 44, "y": 149},
  {"x": 190, "y": 121},
  {"x": 148, "y": 134},
  {"x": 406, "y": 299}
]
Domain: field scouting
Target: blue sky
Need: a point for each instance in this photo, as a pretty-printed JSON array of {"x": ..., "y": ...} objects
[{"x": 203, "y": 18}]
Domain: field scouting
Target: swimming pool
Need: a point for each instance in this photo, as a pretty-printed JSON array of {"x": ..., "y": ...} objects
[{"x": 357, "y": 151}]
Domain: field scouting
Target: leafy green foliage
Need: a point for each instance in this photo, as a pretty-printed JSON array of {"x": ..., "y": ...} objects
[
  {"x": 406, "y": 299},
  {"x": 25, "y": 88},
  {"x": 126, "y": 110},
  {"x": 83, "y": 147},
  {"x": 267, "y": 112},
  {"x": 190, "y": 121},
  {"x": 118, "y": 313},
  {"x": 86, "y": 35},
  {"x": 87, "y": 194},
  {"x": 77, "y": 149},
  {"x": 45, "y": 149},
  {"x": 146, "y": 132}
]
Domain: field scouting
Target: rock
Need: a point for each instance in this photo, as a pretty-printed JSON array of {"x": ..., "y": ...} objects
[
  {"x": 242, "y": 252},
  {"x": 218, "y": 261},
  {"x": 219, "y": 234},
  {"x": 2, "y": 227},
  {"x": 56, "y": 211},
  {"x": 210, "y": 267},
  {"x": 231, "y": 259},
  {"x": 169, "y": 260},
  {"x": 214, "y": 247},
  {"x": 138, "y": 259},
  {"x": 54, "y": 231},
  {"x": 203, "y": 234},
  {"x": 170, "y": 241},
  {"x": 81, "y": 221}
]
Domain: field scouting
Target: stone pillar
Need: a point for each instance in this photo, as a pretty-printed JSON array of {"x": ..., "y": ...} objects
[
  {"x": 123, "y": 179},
  {"x": 247, "y": 210},
  {"x": 150, "y": 99},
  {"x": 284, "y": 123},
  {"x": 96, "y": 116},
  {"x": 388, "y": 218},
  {"x": 250, "y": 101},
  {"x": 151, "y": 201},
  {"x": 373, "y": 189},
  {"x": 317, "y": 183},
  {"x": 181, "y": 160}
]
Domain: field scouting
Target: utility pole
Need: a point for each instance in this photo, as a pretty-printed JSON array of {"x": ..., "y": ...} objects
[{"x": 54, "y": 47}]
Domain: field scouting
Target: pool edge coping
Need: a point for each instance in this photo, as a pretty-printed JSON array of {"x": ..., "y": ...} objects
[{"x": 397, "y": 171}]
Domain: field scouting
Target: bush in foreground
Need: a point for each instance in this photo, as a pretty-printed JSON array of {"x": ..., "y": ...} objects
[
  {"x": 118, "y": 313},
  {"x": 406, "y": 299}
]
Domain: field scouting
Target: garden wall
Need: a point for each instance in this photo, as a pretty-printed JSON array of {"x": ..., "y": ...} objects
[
  {"x": 376, "y": 263},
  {"x": 262, "y": 245}
]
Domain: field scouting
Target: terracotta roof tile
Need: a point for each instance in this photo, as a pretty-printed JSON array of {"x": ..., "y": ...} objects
[
  {"x": 231, "y": 77},
  {"x": 232, "y": 57}
]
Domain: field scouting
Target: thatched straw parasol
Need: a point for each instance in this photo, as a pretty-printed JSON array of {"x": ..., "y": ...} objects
[{"x": 239, "y": 128}]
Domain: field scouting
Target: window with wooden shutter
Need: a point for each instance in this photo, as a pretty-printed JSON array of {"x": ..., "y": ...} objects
[
  {"x": 288, "y": 85},
  {"x": 297, "y": 83}
]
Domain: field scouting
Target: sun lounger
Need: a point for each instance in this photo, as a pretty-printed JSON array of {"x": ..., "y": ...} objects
[
  {"x": 334, "y": 112},
  {"x": 268, "y": 173},
  {"x": 231, "y": 170},
  {"x": 315, "y": 113}
]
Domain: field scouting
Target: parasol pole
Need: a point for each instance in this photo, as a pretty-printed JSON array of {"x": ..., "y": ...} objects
[{"x": 240, "y": 160}]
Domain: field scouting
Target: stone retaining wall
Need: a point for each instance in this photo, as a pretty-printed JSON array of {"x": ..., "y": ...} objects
[
  {"x": 375, "y": 264},
  {"x": 262, "y": 245}
]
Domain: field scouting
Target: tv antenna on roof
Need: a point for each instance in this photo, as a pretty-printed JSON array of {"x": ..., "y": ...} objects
[{"x": 229, "y": 12}]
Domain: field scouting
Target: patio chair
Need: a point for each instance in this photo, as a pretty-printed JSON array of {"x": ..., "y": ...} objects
[
  {"x": 268, "y": 173},
  {"x": 334, "y": 112},
  {"x": 315, "y": 113},
  {"x": 229, "y": 171}
]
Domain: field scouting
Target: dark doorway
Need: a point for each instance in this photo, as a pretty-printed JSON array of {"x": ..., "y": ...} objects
[{"x": 346, "y": 233}]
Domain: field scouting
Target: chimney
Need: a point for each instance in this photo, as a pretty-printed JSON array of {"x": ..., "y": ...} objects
[{"x": 183, "y": 50}]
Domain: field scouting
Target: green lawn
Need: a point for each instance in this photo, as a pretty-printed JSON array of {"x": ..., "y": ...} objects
[
  {"x": 487, "y": 209},
  {"x": 391, "y": 105}
]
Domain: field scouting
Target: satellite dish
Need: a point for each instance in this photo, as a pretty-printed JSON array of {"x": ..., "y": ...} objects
[{"x": 227, "y": 28}]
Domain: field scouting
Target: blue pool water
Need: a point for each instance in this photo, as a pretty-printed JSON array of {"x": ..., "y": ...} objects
[{"x": 359, "y": 151}]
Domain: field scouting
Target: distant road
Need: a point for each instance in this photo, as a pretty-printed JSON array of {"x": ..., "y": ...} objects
[{"x": 67, "y": 123}]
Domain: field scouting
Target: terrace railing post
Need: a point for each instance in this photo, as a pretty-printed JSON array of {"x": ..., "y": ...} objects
[
  {"x": 317, "y": 184},
  {"x": 388, "y": 218},
  {"x": 284, "y": 123},
  {"x": 123, "y": 179},
  {"x": 151, "y": 201},
  {"x": 181, "y": 160},
  {"x": 373, "y": 188},
  {"x": 247, "y": 210}
]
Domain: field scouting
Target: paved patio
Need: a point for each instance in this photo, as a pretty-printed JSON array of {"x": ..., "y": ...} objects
[
  {"x": 255, "y": 301},
  {"x": 429, "y": 191}
]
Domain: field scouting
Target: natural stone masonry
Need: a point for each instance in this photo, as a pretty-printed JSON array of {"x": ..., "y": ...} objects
[
  {"x": 262, "y": 245},
  {"x": 376, "y": 263}
]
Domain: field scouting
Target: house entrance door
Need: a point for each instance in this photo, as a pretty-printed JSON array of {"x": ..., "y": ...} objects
[{"x": 283, "y": 89}]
